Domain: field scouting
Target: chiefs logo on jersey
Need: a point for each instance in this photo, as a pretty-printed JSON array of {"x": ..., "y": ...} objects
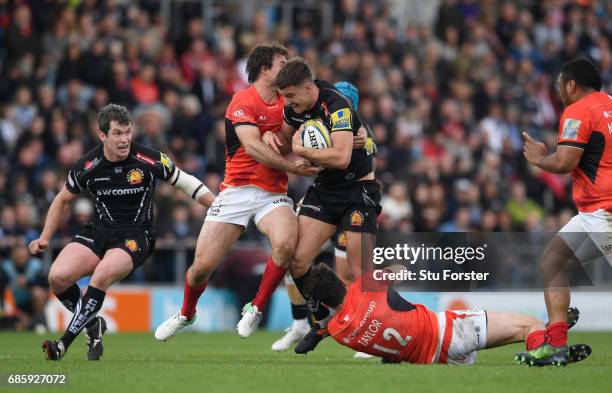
[
  {"x": 135, "y": 176},
  {"x": 131, "y": 245}
]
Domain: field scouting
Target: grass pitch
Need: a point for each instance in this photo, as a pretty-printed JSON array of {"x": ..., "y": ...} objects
[{"x": 223, "y": 362}]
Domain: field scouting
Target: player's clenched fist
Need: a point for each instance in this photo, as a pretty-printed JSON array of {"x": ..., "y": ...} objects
[{"x": 37, "y": 246}]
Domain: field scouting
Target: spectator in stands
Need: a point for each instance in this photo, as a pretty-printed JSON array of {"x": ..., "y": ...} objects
[{"x": 26, "y": 279}]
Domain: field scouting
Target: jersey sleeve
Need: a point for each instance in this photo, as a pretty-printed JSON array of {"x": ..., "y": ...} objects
[
  {"x": 289, "y": 117},
  {"x": 239, "y": 112},
  {"x": 341, "y": 115},
  {"x": 160, "y": 164},
  {"x": 575, "y": 127},
  {"x": 74, "y": 182}
]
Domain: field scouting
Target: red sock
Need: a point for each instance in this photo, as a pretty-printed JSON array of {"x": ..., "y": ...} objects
[
  {"x": 556, "y": 334},
  {"x": 190, "y": 298},
  {"x": 535, "y": 339},
  {"x": 271, "y": 278}
]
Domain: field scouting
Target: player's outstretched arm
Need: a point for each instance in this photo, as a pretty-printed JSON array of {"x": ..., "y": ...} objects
[
  {"x": 337, "y": 156},
  {"x": 261, "y": 152},
  {"x": 192, "y": 187},
  {"x": 564, "y": 160},
  {"x": 58, "y": 211}
]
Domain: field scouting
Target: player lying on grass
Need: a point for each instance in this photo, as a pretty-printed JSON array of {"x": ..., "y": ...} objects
[{"x": 372, "y": 317}]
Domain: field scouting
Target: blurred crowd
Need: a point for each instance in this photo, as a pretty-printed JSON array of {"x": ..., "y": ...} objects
[{"x": 447, "y": 97}]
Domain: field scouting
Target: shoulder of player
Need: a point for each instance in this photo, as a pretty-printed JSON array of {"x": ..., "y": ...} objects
[
  {"x": 336, "y": 102},
  {"x": 89, "y": 161},
  {"x": 331, "y": 94},
  {"x": 242, "y": 100},
  {"x": 579, "y": 110},
  {"x": 145, "y": 154},
  {"x": 583, "y": 108}
]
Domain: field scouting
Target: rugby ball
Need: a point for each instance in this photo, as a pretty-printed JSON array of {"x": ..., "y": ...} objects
[{"x": 315, "y": 135}]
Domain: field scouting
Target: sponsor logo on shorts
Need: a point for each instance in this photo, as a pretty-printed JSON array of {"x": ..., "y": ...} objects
[
  {"x": 238, "y": 113},
  {"x": 131, "y": 245},
  {"x": 357, "y": 218},
  {"x": 87, "y": 239},
  {"x": 477, "y": 330},
  {"x": 214, "y": 211},
  {"x": 342, "y": 239},
  {"x": 312, "y": 207},
  {"x": 281, "y": 200}
]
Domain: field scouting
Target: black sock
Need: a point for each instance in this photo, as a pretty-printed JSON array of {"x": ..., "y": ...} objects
[
  {"x": 300, "y": 281},
  {"x": 70, "y": 297},
  {"x": 86, "y": 311},
  {"x": 299, "y": 311},
  {"x": 319, "y": 312}
]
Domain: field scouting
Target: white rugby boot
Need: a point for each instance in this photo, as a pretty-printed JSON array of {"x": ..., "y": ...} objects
[
  {"x": 249, "y": 321},
  {"x": 173, "y": 325},
  {"x": 294, "y": 334}
]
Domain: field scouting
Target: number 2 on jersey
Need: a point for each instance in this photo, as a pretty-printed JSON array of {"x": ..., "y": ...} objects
[{"x": 388, "y": 334}]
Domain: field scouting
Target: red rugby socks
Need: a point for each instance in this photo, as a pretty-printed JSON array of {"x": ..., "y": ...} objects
[
  {"x": 556, "y": 334},
  {"x": 190, "y": 298},
  {"x": 271, "y": 278}
]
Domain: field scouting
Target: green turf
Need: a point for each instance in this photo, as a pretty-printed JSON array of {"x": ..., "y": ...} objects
[{"x": 223, "y": 362}]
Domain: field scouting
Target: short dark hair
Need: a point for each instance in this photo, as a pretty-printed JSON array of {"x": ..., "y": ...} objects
[
  {"x": 583, "y": 71},
  {"x": 113, "y": 112},
  {"x": 262, "y": 56},
  {"x": 323, "y": 285},
  {"x": 294, "y": 73}
]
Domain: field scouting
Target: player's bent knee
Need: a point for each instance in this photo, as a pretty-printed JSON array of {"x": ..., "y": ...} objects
[
  {"x": 201, "y": 269},
  {"x": 283, "y": 253},
  {"x": 59, "y": 281},
  {"x": 298, "y": 268}
]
